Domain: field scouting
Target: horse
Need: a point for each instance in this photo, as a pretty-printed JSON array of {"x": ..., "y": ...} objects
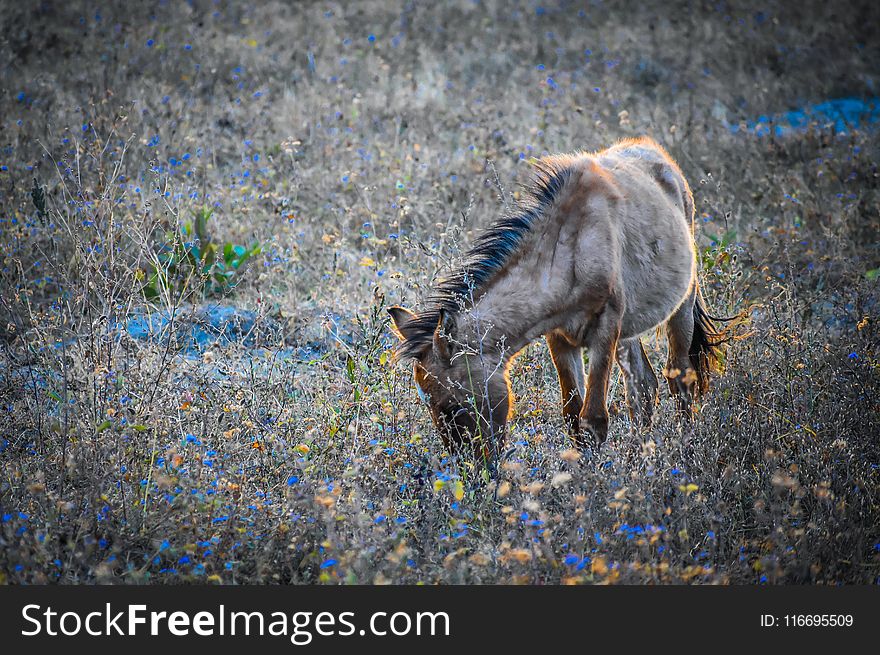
[{"x": 598, "y": 252}]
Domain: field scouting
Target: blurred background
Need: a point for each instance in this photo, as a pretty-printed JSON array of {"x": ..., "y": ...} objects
[{"x": 205, "y": 207}]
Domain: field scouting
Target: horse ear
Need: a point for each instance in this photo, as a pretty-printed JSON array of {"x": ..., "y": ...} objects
[
  {"x": 401, "y": 318},
  {"x": 443, "y": 336}
]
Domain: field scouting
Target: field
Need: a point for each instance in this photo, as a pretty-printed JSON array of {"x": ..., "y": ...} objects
[{"x": 206, "y": 207}]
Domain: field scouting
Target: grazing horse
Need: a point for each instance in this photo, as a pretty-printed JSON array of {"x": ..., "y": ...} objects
[{"x": 599, "y": 252}]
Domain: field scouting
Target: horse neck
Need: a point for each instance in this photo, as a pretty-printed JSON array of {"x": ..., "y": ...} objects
[{"x": 513, "y": 310}]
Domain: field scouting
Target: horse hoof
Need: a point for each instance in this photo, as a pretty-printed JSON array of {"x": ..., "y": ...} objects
[{"x": 595, "y": 427}]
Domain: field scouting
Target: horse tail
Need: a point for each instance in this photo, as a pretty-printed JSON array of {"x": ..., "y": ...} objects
[{"x": 707, "y": 345}]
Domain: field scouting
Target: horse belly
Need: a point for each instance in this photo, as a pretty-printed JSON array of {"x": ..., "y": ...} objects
[
  {"x": 657, "y": 275},
  {"x": 635, "y": 324}
]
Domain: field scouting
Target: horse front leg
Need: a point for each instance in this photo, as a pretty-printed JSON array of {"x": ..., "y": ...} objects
[
  {"x": 569, "y": 362},
  {"x": 603, "y": 345}
]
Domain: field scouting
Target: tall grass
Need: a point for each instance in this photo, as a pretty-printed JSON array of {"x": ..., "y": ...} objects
[{"x": 364, "y": 145}]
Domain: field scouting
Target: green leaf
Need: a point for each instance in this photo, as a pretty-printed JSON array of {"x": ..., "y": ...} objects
[
  {"x": 103, "y": 426},
  {"x": 202, "y": 217},
  {"x": 873, "y": 274},
  {"x": 150, "y": 290},
  {"x": 223, "y": 277},
  {"x": 39, "y": 198},
  {"x": 208, "y": 257},
  {"x": 255, "y": 249}
]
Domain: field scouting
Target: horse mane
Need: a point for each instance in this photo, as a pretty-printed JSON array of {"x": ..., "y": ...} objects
[{"x": 489, "y": 253}]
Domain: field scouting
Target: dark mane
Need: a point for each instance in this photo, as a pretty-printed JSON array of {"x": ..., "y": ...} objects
[{"x": 489, "y": 253}]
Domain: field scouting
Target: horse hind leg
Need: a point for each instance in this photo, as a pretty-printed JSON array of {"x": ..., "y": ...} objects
[
  {"x": 569, "y": 362},
  {"x": 640, "y": 382},
  {"x": 679, "y": 373}
]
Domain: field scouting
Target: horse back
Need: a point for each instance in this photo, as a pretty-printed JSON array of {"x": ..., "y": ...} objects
[
  {"x": 639, "y": 210},
  {"x": 645, "y": 157}
]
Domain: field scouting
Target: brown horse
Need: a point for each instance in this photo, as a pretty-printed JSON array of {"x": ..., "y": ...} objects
[{"x": 600, "y": 252}]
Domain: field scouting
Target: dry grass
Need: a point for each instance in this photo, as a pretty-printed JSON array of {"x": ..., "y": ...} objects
[{"x": 363, "y": 167}]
